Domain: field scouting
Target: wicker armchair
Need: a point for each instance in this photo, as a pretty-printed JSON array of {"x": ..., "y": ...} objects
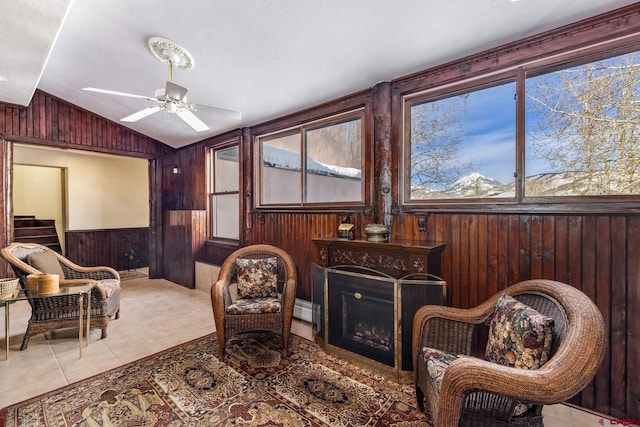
[
  {"x": 476, "y": 392},
  {"x": 62, "y": 311},
  {"x": 224, "y": 294}
]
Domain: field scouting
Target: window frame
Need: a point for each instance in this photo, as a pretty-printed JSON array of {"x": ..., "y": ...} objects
[
  {"x": 520, "y": 71},
  {"x": 436, "y": 94},
  {"x": 358, "y": 113},
  {"x": 211, "y": 194}
]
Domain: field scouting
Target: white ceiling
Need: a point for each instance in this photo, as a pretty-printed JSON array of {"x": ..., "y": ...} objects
[{"x": 264, "y": 58}]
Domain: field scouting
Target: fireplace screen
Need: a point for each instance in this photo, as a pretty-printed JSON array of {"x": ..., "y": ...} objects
[{"x": 362, "y": 313}]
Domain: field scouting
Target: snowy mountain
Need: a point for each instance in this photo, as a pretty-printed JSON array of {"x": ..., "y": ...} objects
[
  {"x": 473, "y": 185},
  {"x": 476, "y": 185}
]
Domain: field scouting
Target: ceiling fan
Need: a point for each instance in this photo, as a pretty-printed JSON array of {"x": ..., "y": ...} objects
[{"x": 173, "y": 98}]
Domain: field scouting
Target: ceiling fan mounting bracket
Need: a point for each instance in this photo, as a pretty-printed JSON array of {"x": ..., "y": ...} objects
[{"x": 170, "y": 53}]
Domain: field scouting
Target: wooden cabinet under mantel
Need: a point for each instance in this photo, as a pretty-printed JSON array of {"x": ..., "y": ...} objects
[{"x": 365, "y": 295}]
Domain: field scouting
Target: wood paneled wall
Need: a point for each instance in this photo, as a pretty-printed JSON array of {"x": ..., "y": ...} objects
[
  {"x": 108, "y": 247},
  {"x": 190, "y": 163},
  {"x": 53, "y": 122}
]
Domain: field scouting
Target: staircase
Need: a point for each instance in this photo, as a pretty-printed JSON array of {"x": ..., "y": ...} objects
[{"x": 29, "y": 229}]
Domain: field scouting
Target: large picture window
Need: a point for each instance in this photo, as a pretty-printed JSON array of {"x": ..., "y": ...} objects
[
  {"x": 579, "y": 138},
  {"x": 313, "y": 164},
  {"x": 224, "y": 194}
]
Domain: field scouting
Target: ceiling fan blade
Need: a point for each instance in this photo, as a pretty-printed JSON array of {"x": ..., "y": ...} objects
[
  {"x": 191, "y": 120},
  {"x": 141, "y": 114},
  {"x": 175, "y": 91},
  {"x": 113, "y": 92},
  {"x": 221, "y": 112}
]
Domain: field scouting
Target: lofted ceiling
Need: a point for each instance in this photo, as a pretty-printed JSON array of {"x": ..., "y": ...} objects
[{"x": 264, "y": 58}]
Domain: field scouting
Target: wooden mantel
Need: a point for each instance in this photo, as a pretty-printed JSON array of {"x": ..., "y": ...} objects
[{"x": 396, "y": 258}]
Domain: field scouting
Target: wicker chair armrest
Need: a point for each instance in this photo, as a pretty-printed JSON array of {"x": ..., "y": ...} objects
[
  {"x": 446, "y": 328},
  {"x": 79, "y": 272}
]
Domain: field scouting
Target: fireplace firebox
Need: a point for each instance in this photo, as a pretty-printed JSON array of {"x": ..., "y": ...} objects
[
  {"x": 365, "y": 295},
  {"x": 362, "y": 313}
]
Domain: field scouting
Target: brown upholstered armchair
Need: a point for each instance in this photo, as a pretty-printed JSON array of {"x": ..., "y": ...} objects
[
  {"x": 472, "y": 391},
  {"x": 62, "y": 311},
  {"x": 243, "y": 298}
]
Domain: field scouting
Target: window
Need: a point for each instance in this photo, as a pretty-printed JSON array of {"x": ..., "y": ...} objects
[
  {"x": 224, "y": 195},
  {"x": 583, "y": 129},
  {"x": 463, "y": 146},
  {"x": 313, "y": 164},
  {"x": 580, "y": 137}
]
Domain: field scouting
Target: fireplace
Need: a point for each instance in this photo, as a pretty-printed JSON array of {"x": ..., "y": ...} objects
[
  {"x": 365, "y": 295},
  {"x": 361, "y": 314}
]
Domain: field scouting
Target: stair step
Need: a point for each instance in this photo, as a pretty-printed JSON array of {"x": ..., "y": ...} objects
[
  {"x": 29, "y": 229},
  {"x": 32, "y": 222},
  {"x": 34, "y": 231},
  {"x": 43, "y": 240}
]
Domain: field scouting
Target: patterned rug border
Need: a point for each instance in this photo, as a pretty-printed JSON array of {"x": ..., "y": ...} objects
[
  {"x": 280, "y": 393},
  {"x": 131, "y": 275}
]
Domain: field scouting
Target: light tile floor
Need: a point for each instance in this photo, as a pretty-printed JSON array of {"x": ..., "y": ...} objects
[{"x": 155, "y": 315}]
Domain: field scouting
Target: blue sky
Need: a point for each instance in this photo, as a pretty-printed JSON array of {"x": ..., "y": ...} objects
[{"x": 490, "y": 138}]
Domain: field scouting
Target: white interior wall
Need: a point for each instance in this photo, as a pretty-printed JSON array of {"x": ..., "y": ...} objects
[{"x": 103, "y": 191}]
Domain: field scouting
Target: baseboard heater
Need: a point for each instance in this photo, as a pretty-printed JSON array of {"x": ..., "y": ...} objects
[{"x": 302, "y": 310}]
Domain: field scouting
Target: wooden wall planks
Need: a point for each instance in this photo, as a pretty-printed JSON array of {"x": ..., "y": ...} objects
[
  {"x": 108, "y": 247},
  {"x": 53, "y": 122}
]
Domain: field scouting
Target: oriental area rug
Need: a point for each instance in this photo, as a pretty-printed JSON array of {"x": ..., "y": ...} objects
[{"x": 253, "y": 385}]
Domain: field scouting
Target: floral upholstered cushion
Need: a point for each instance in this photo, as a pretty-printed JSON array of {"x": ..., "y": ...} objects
[
  {"x": 254, "y": 306},
  {"x": 519, "y": 336},
  {"x": 437, "y": 362},
  {"x": 257, "y": 278},
  {"x": 109, "y": 286}
]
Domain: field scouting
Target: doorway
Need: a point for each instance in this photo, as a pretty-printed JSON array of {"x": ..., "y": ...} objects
[{"x": 40, "y": 191}]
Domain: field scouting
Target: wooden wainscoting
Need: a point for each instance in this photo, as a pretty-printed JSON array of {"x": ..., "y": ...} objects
[{"x": 108, "y": 247}]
